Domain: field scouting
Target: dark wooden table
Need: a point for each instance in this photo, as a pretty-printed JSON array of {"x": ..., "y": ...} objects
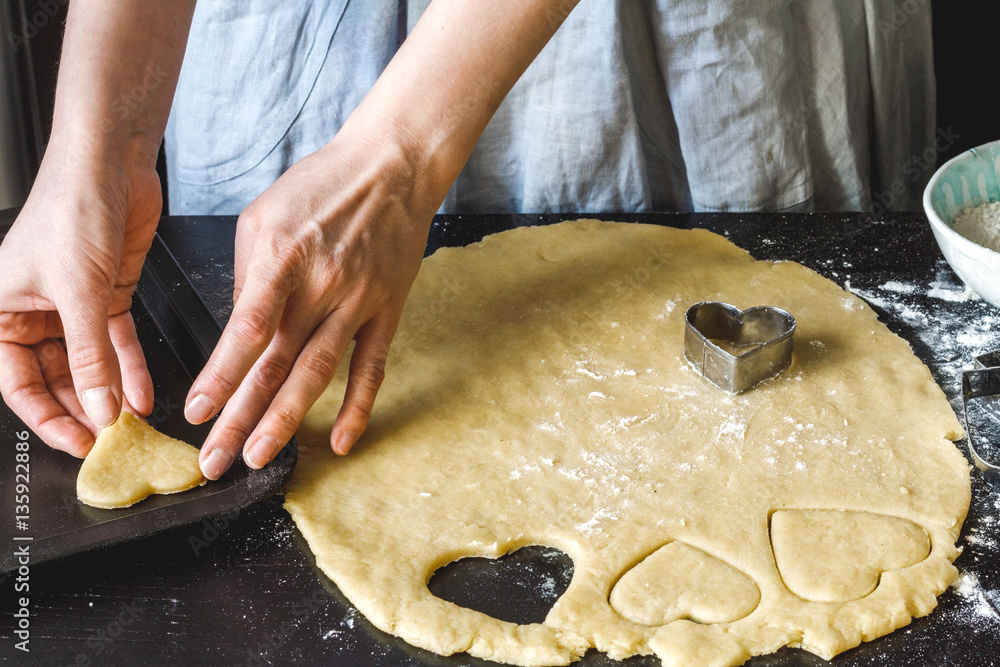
[{"x": 243, "y": 589}]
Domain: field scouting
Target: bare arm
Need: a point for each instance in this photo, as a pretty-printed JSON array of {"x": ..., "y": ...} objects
[
  {"x": 117, "y": 75},
  {"x": 69, "y": 356},
  {"x": 328, "y": 253},
  {"x": 453, "y": 71}
]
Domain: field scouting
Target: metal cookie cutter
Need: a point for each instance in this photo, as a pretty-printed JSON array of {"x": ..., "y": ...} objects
[
  {"x": 983, "y": 381},
  {"x": 766, "y": 332}
]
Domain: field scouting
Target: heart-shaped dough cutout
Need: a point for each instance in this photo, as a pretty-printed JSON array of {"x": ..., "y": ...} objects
[
  {"x": 679, "y": 581},
  {"x": 131, "y": 461},
  {"x": 838, "y": 556}
]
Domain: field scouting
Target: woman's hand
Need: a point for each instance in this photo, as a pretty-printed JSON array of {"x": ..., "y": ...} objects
[
  {"x": 327, "y": 254},
  {"x": 69, "y": 356}
]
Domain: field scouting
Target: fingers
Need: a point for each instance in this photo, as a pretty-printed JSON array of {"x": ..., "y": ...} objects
[
  {"x": 367, "y": 373},
  {"x": 246, "y": 231},
  {"x": 310, "y": 375},
  {"x": 52, "y": 362},
  {"x": 27, "y": 328},
  {"x": 23, "y": 387},
  {"x": 295, "y": 388},
  {"x": 247, "y": 405},
  {"x": 245, "y": 338},
  {"x": 93, "y": 361},
  {"x": 136, "y": 382}
]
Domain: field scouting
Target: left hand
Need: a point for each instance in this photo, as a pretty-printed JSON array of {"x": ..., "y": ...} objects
[
  {"x": 327, "y": 254},
  {"x": 69, "y": 356}
]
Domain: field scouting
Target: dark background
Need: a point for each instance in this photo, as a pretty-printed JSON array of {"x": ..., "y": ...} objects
[{"x": 963, "y": 109}]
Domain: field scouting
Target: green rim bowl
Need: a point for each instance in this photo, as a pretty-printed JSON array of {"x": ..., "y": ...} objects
[{"x": 969, "y": 179}]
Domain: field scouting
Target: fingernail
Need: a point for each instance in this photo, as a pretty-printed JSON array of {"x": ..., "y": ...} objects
[
  {"x": 216, "y": 463},
  {"x": 261, "y": 451},
  {"x": 199, "y": 409},
  {"x": 100, "y": 405},
  {"x": 344, "y": 442}
]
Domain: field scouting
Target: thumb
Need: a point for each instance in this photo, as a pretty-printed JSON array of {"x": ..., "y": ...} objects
[{"x": 93, "y": 362}]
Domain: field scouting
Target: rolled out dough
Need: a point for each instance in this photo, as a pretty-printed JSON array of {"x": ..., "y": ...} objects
[
  {"x": 130, "y": 461},
  {"x": 537, "y": 393}
]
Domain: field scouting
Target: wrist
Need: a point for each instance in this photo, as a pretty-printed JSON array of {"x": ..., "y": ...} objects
[
  {"x": 407, "y": 166},
  {"x": 103, "y": 144},
  {"x": 73, "y": 177}
]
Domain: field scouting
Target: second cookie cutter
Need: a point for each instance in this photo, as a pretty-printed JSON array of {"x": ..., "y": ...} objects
[
  {"x": 983, "y": 381},
  {"x": 766, "y": 332}
]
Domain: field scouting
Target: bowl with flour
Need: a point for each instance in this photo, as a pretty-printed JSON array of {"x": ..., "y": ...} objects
[{"x": 962, "y": 202}]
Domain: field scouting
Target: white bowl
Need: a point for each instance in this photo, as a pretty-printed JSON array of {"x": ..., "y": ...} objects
[{"x": 967, "y": 180}]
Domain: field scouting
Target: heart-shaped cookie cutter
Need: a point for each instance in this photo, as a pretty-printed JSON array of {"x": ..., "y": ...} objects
[
  {"x": 768, "y": 331},
  {"x": 983, "y": 381}
]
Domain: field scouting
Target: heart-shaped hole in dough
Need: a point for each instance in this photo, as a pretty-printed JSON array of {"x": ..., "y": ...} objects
[
  {"x": 839, "y": 555},
  {"x": 680, "y": 581},
  {"x": 131, "y": 461},
  {"x": 519, "y": 587}
]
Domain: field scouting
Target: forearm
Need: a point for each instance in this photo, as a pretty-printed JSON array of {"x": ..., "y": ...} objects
[
  {"x": 450, "y": 75},
  {"x": 117, "y": 75}
]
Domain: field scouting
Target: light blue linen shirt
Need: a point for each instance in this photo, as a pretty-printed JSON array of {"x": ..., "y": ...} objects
[{"x": 634, "y": 105}]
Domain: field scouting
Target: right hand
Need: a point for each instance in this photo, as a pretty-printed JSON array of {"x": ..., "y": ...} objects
[
  {"x": 69, "y": 355},
  {"x": 325, "y": 255}
]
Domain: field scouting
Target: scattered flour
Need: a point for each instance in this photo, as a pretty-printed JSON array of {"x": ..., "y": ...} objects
[
  {"x": 980, "y": 224},
  {"x": 985, "y": 540},
  {"x": 952, "y": 326},
  {"x": 896, "y": 286},
  {"x": 548, "y": 588},
  {"x": 596, "y": 521},
  {"x": 938, "y": 292},
  {"x": 732, "y": 428},
  {"x": 976, "y": 608},
  {"x": 905, "y": 312}
]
